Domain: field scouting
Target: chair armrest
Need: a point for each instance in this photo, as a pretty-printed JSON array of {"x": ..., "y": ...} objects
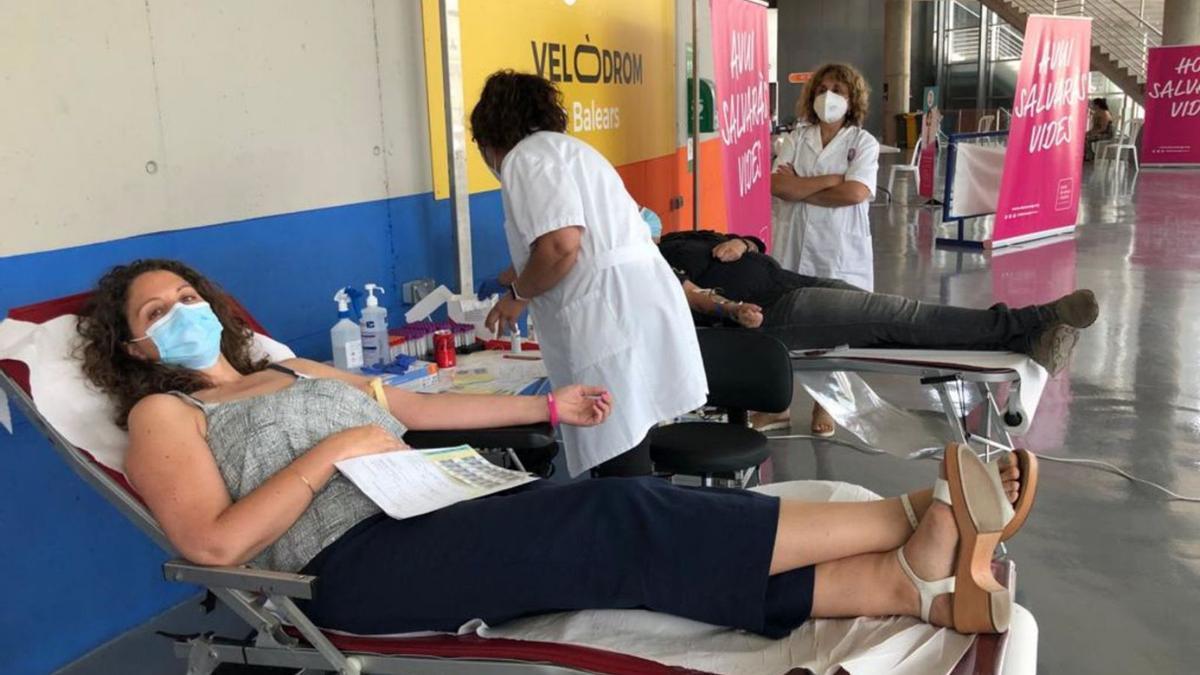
[
  {"x": 241, "y": 579},
  {"x": 524, "y": 437}
]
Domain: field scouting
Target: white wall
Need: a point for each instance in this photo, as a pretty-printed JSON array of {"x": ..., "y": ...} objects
[
  {"x": 245, "y": 109},
  {"x": 772, "y": 44}
]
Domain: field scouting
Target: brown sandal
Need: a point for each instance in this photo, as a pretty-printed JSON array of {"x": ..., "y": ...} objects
[
  {"x": 972, "y": 488},
  {"x": 1027, "y": 464}
]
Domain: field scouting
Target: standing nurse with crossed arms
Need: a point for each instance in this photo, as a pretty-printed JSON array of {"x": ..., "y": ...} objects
[{"x": 823, "y": 183}]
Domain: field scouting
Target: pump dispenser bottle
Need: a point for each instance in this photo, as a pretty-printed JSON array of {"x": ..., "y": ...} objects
[
  {"x": 374, "y": 330},
  {"x": 345, "y": 337}
]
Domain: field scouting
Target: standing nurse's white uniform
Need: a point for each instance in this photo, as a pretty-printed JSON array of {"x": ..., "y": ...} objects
[
  {"x": 619, "y": 318},
  {"x": 820, "y": 241}
]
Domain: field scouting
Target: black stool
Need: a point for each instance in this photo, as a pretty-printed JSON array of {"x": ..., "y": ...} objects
[{"x": 746, "y": 370}]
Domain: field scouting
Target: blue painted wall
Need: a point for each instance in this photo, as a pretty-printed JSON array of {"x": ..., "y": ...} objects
[{"x": 75, "y": 573}]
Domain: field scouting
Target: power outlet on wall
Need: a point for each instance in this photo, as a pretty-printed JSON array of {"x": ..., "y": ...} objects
[{"x": 413, "y": 291}]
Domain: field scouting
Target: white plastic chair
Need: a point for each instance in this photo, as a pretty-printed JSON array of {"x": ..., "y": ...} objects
[
  {"x": 1125, "y": 141},
  {"x": 986, "y": 123},
  {"x": 910, "y": 168},
  {"x": 1117, "y": 125}
]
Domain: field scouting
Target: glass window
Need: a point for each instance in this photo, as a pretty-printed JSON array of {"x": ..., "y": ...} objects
[
  {"x": 961, "y": 89},
  {"x": 1004, "y": 82},
  {"x": 1005, "y": 43},
  {"x": 964, "y": 13},
  {"x": 962, "y": 45}
]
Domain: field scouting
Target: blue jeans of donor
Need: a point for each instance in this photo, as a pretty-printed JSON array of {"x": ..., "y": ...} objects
[{"x": 831, "y": 313}]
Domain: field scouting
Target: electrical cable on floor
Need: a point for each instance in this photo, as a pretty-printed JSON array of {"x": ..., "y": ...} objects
[
  {"x": 1112, "y": 468},
  {"x": 1092, "y": 463}
]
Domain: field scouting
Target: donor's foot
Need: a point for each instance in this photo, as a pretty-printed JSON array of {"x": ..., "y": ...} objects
[
  {"x": 930, "y": 555},
  {"x": 1078, "y": 309},
  {"x": 1052, "y": 348}
]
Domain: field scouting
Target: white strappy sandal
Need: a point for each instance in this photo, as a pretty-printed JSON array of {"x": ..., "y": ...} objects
[
  {"x": 1027, "y": 464},
  {"x": 974, "y": 493}
]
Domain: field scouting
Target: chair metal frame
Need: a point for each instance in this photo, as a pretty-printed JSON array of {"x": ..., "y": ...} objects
[
  {"x": 941, "y": 376},
  {"x": 247, "y": 592}
]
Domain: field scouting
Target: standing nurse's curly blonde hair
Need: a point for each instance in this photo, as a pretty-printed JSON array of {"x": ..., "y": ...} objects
[{"x": 856, "y": 113}]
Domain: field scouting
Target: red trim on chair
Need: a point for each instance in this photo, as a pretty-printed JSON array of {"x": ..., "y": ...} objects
[
  {"x": 18, "y": 371},
  {"x": 42, "y": 312},
  {"x": 474, "y": 647}
]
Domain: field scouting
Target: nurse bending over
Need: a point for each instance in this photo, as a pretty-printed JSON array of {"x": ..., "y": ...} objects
[
  {"x": 607, "y": 307},
  {"x": 235, "y": 460}
]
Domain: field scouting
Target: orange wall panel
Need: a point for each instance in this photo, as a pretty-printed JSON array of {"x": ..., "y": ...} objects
[{"x": 653, "y": 183}]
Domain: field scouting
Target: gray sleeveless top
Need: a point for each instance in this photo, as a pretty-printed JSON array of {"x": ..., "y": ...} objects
[{"x": 254, "y": 438}]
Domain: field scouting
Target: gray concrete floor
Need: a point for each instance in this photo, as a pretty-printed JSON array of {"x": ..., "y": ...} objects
[{"x": 1110, "y": 569}]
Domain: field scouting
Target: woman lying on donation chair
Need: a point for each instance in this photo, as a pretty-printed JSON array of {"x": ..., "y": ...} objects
[
  {"x": 235, "y": 459},
  {"x": 730, "y": 278}
]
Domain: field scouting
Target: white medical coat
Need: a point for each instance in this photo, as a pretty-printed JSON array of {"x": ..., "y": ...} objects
[
  {"x": 619, "y": 318},
  {"x": 819, "y": 241}
]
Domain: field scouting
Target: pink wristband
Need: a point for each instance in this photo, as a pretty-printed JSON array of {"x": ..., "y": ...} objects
[{"x": 552, "y": 407}]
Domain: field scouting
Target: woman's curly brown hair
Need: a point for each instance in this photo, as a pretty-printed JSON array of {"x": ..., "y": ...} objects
[
  {"x": 859, "y": 99},
  {"x": 126, "y": 379},
  {"x": 514, "y": 105}
]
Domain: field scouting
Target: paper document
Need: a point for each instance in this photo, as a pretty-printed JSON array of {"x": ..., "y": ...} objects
[{"x": 408, "y": 483}]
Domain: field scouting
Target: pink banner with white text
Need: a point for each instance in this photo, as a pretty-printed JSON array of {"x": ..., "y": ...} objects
[
  {"x": 1043, "y": 165},
  {"x": 739, "y": 45},
  {"x": 1171, "y": 134}
]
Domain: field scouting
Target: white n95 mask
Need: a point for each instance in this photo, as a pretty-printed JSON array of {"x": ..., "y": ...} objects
[{"x": 830, "y": 107}]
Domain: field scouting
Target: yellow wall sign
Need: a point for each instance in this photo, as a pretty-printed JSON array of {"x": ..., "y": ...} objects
[{"x": 614, "y": 61}]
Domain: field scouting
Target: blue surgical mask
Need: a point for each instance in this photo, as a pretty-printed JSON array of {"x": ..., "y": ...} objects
[
  {"x": 187, "y": 336},
  {"x": 653, "y": 222}
]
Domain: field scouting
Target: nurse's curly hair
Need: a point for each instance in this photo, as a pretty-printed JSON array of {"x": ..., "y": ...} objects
[
  {"x": 513, "y": 105},
  {"x": 859, "y": 100},
  {"x": 104, "y": 328}
]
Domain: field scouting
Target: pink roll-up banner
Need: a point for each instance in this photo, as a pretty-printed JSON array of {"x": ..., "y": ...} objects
[
  {"x": 927, "y": 161},
  {"x": 1171, "y": 135},
  {"x": 739, "y": 45},
  {"x": 1043, "y": 164}
]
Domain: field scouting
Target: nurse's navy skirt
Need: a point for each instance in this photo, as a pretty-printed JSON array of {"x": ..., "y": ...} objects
[{"x": 610, "y": 543}]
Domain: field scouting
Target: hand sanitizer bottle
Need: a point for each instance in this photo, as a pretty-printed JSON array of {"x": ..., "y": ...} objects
[
  {"x": 345, "y": 337},
  {"x": 374, "y": 330}
]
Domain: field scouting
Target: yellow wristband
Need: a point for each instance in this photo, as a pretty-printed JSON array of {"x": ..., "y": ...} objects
[{"x": 376, "y": 385}]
